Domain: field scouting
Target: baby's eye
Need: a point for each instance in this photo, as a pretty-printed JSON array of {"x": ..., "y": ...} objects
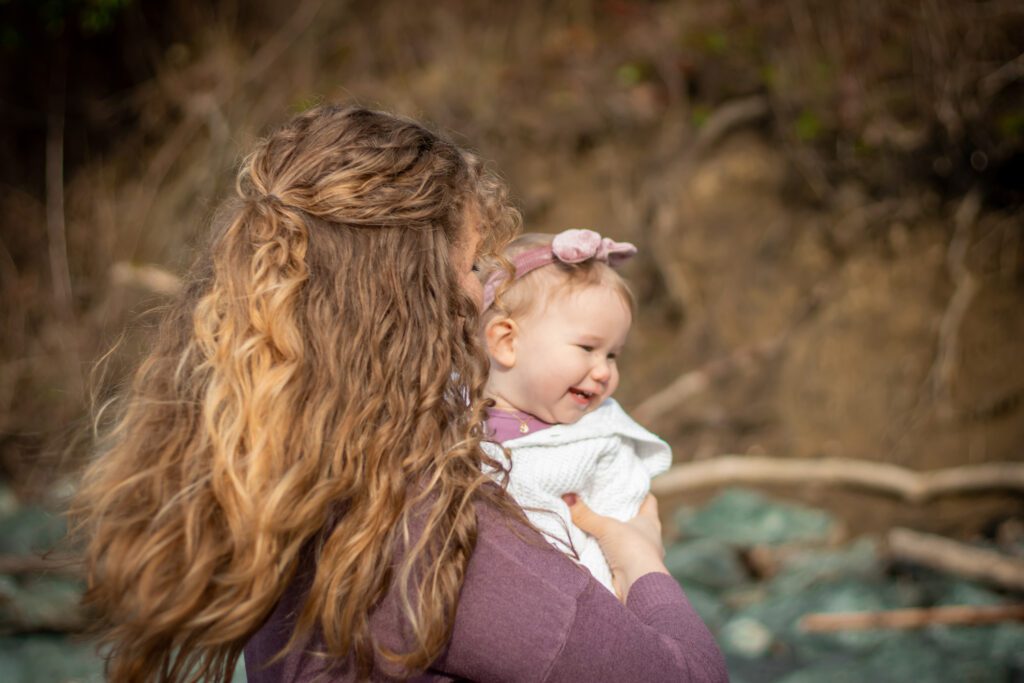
[
  {"x": 585, "y": 347},
  {"x": 475, "y": 268},
  {"x": 612, "y": 356}
]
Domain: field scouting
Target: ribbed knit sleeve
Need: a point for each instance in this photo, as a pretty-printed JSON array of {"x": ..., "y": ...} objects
[{"x": 527, "y": 613}]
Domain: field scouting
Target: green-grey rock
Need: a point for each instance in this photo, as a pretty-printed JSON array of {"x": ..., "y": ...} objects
[
  {"x": 903, "y": 658},
  {"x": 959, "y": 592},
  {"x": 781, "y": 613},
  {"x": 712, "y": 611},
  {"x": 239, "y": 675},
  {"x": 39, "y": 603},
  {"x": 831, "y": 672},
  {"x": 747, "y": 518},
  {"x": 745, "y": 637},
  {"x": 911, "y": 657},
  {"x": 30, "y": 530},
  {"x": 49, "y": 659},
  {"x": 998, "y": 642},
  {"x": 705, "y": 561},
  {"x": 803, "y": 569},
  {"x": 8, "y": 501}
]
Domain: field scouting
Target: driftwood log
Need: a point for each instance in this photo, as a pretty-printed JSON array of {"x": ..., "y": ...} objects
[
  {"x": 917, "y": 617},
  {"x": 957, "y": 558},
  {"x": 915, "y": 487}
]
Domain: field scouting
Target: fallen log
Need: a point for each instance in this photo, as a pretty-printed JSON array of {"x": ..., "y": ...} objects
[
  {"x": 917, "y": 617},
  {"x": 913, "y": 486},
  {"x": 957, "y": 558}
]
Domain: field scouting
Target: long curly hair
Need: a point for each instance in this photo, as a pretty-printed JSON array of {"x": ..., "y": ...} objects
[{"x": 317, "y": 388}]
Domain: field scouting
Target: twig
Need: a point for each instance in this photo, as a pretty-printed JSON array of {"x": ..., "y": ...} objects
[
  {"x": 695, "y": 382},
  {"x": 916, "y": 487},
  {"x": 953, "y": 615},
  {"x": 147, "y": 276},
  {"x": 944, "y": 369},
  {"x": 1009, "y": 72},
  {"x": 731, "y": 116},
  {"x": 957, "y": 558},
  {"x": 279, "y": 43},
  {"x": 207, "y": 110},
  {"x": 55, "y": 228}
]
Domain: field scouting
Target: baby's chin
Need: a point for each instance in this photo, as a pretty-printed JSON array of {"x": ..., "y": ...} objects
[{"x": 568, "y": 417}]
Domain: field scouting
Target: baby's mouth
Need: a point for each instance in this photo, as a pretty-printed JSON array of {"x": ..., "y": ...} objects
[{"x": 582, "y": 398}]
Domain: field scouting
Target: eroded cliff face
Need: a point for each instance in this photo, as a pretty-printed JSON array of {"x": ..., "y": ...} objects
[{"x": 808, "y": 234}]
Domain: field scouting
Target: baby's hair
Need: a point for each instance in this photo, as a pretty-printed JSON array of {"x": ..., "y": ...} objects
[{"x": 517, "y": 298}]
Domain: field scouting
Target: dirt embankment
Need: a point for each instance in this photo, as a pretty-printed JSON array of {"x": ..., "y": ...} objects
[{"x": 798, "y": 177}]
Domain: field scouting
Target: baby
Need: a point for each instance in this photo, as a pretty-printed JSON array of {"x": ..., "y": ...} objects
[{"x": 553, "y": 335}]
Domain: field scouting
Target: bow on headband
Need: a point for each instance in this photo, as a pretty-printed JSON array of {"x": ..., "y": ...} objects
[{"x": 568, "y": 246}]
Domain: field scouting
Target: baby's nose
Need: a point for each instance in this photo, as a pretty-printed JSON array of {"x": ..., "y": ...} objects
[{"x": 601, "y": 371}]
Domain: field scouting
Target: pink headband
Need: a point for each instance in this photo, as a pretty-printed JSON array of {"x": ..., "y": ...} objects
[{"x": 569, "y": 246}]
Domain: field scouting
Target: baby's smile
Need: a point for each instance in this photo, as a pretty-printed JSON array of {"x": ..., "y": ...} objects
[{"x": 583, "y": 398}]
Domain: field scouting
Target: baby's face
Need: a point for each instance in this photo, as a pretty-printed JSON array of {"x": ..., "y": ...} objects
[{"x": 566, "y": 354}]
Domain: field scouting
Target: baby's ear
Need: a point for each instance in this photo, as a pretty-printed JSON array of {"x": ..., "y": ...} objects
[{"x": 500, "y": 335}]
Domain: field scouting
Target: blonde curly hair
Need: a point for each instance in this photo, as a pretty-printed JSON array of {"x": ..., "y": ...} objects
[{"x": 315, "y": 392}]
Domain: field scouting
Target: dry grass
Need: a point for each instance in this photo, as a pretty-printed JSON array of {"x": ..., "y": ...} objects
[{"x": 594, "y": 110}]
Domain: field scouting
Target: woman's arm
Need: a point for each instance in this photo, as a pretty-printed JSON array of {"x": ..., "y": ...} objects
[{"x": 527, "y": 612}]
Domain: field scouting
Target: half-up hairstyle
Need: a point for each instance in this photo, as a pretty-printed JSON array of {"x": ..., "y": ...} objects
[{"x": 316, "y": 391}]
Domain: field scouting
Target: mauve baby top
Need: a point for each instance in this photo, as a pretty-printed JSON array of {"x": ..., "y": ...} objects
[{"x": 526, "y": 613}]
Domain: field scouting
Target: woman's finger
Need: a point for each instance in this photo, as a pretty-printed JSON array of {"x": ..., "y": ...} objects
[
  {"x": 650, "y": 506},
  {"x": 585, "y": 518}
]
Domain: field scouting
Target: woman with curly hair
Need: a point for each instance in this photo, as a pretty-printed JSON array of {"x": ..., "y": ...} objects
[{"x": 296, "y": 470}]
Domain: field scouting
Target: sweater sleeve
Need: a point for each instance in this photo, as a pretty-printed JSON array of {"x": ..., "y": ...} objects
[
  {"x": 527, "y": 613},
  {"x": 658, "y": 637}
]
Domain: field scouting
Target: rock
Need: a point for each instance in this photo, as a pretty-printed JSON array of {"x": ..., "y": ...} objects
[
  {"x": 802, "y": 569},
  {"x": 780, "y": 613},
  {"x": 58, "y": 659},
  {"x": 843, "y": 671},
  {"x": 49, "y": 659},
  {"x": 39, "y": 603},
  {"x": 30, "y": 530},
  {"x": 712, "y": 611},
  {"x": 705, "y": 561},
  {"x": 747, "y": 518},
  {"x": 903, "y": 657},
  {"x": 8, "y": 501},
  {"x": 910, "y": 657},
  {"x": 745, "y": 637}
]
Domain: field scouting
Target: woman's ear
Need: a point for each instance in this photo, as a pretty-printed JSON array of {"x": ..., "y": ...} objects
[{"x": 501, "y": 334}]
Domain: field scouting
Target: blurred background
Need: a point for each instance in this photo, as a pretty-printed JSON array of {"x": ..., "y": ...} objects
[{"x": 827, "y": 197}]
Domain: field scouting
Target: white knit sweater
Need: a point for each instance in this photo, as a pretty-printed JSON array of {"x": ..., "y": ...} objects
[{"x": 606, "y": 458}]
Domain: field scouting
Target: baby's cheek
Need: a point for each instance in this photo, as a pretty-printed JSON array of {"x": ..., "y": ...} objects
[{"x": 613, "y": 383}]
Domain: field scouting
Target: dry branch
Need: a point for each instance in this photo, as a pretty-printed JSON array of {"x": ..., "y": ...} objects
[
  {"x": 730, "y": 116},
  {"x": 943, "y": 372},
  {"x": 954, "y": 615},
  {"x": 697, "y": 381},
  {"x": 146, "y": 276},
  {"x": 56, "y": 231},
  {"x": 915, "y": 487},
  {"x": 957, "y": 558}
]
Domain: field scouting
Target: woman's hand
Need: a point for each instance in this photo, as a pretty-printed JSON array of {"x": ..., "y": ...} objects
[{"x": 632, "y": 548}]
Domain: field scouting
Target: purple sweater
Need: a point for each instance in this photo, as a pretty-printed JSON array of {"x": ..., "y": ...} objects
[{"x": 526, "y": 613}]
